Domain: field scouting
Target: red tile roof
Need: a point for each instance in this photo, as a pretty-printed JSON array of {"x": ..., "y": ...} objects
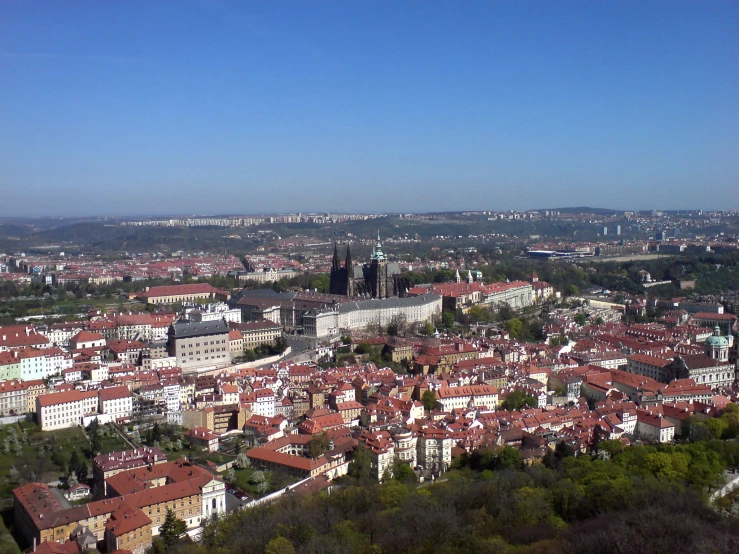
[{"x": 64, "y": 397}]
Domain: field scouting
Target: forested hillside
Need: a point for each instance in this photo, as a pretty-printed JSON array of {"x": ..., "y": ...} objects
[{"x": 639, "y": 500}]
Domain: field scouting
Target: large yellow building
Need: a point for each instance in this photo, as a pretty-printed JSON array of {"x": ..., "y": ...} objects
[{"x": 192, "y": 492}]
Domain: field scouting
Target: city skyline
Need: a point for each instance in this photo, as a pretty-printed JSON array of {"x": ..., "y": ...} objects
[{"x": 213, "y": 106}]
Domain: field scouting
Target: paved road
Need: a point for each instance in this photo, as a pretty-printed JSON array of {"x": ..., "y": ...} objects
[{"x": 300, "y": 344}]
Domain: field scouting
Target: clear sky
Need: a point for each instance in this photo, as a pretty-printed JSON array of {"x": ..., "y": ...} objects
[{"x": 235, "y": 106}]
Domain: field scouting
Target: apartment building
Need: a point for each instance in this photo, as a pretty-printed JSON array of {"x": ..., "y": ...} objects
[
  {"x": 260, "y": 401},
  {"x": 116, "y": 402},
  {"x": 255, "y": 333},
  {"x": 381, "y": 449},
  {"x": 451, "y": 398},
  {"x": 659, "y": 369},
  {"x": 13, "y": 398},
  {"x": 199, "y": 344},
  {"x": 10, "y": 366},
  {"x": 65, "y": 409},
  {"x": 34, "y": 388},
  {"x": 434, "y": 448}
]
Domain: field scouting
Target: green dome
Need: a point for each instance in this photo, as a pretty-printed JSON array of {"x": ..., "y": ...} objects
[
  {"x": 713, "y": 340},
  {"x": 716, "y": 340}
]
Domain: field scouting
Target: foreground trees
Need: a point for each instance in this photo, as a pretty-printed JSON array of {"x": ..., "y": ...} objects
[{"x": 643, "y": 499}]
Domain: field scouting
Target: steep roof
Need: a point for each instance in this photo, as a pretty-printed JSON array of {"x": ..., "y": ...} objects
[
  {"x": 184, "y": 329},
  {"x": 126, "y": 519}
]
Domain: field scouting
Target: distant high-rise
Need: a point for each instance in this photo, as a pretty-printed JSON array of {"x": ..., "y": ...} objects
[
  {"x": 618, "y": 229},
  {"x": 605, "y": 231}
]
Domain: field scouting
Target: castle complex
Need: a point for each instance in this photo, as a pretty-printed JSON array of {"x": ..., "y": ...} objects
[{"x": 377, "y": 279}]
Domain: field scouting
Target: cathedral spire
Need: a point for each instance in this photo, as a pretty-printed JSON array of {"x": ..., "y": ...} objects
[
  {"x": 377, "y": 253},
  {"x": 336, "y": 264},
  {"x": 349, "y": 272}
]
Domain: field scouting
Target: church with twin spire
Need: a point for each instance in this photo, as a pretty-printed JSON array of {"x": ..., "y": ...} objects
[{"x": 377, "y": 279}]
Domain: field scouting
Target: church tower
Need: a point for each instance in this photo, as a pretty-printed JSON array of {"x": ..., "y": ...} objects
[
  {"x": 349, "y": 287},
  {"x": 717, "y": 347},
  {"x": 335, "y": 284},
  {"x": 378, "y": 271}
]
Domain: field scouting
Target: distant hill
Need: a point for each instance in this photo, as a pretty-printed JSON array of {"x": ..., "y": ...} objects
[
  {"x": 586, "y": 210},
  {"x": 15, "y": 230}
]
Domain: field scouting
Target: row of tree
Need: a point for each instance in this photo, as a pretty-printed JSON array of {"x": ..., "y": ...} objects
[{"x": 641, "y": 499}]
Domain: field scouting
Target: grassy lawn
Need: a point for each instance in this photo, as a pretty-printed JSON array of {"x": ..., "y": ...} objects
[
  {"x": 44, "y": 466},
  {"x": 113, "y": 443},
  {"x": 58, "y": 447},
  {"x": 276, "y": 482},
  {"x": 201, "y": 457}
]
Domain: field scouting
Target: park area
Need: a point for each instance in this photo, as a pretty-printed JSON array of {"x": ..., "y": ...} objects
[{"x": 28, "y": 454}]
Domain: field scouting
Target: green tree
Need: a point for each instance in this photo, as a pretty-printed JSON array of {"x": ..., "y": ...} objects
[
  {"x": 392, "y": 494},
  {"x": 428, "y": 399},
  {"x": 581, "y": 318},
  {"x": 156, "y": 432},
  {"x": 731, "y": 417},
  {"x": 361, "y": 465},
  {"x": 429, "y": 328},
  {"x": 279, "y": 545},
  {"x": 279, "y": 346},
  {"x": 96, "y": 443},
  {"x": 571, "y": 290},
  {"x": 716, "y": 426},
  {"x": 612, "y": 447},
  {"x": 505, "y": 312},
  {"x": 77, "y": 465},
  {"x": 318, "y": 445},
  {"x": 363, "y": 348},
  {"x": 402, "y": 471},
  {"x": 508, "y": 458},
  {"x": 478, "y": 313},
  {"x": 13, "y": 477},
  {"x": 447, "y": 319},
  {"x": 242, "y": 461},
  {"x": 321, "y": 283},
  {"x": 517, "y": 400},
  {"x": 172, "y": 528},
  {"x": 514, "y": 326}
]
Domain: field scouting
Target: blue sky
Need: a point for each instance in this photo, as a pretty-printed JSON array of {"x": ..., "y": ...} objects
[{"x": 219, "y": 106}]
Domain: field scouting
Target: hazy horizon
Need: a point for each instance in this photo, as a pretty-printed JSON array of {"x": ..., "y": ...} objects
[{"x": 203, "y": 107}]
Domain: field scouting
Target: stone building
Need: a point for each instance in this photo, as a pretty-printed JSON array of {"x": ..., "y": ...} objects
[
  {"x": 377, "y": 279},
  {"x": 199, "y": 344}
]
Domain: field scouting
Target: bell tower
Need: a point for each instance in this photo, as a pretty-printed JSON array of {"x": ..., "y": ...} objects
[{"x": 378, "y": 271}]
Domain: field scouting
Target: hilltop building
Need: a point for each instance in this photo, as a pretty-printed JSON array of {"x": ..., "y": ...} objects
[{"x": 377, "y": 279}]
